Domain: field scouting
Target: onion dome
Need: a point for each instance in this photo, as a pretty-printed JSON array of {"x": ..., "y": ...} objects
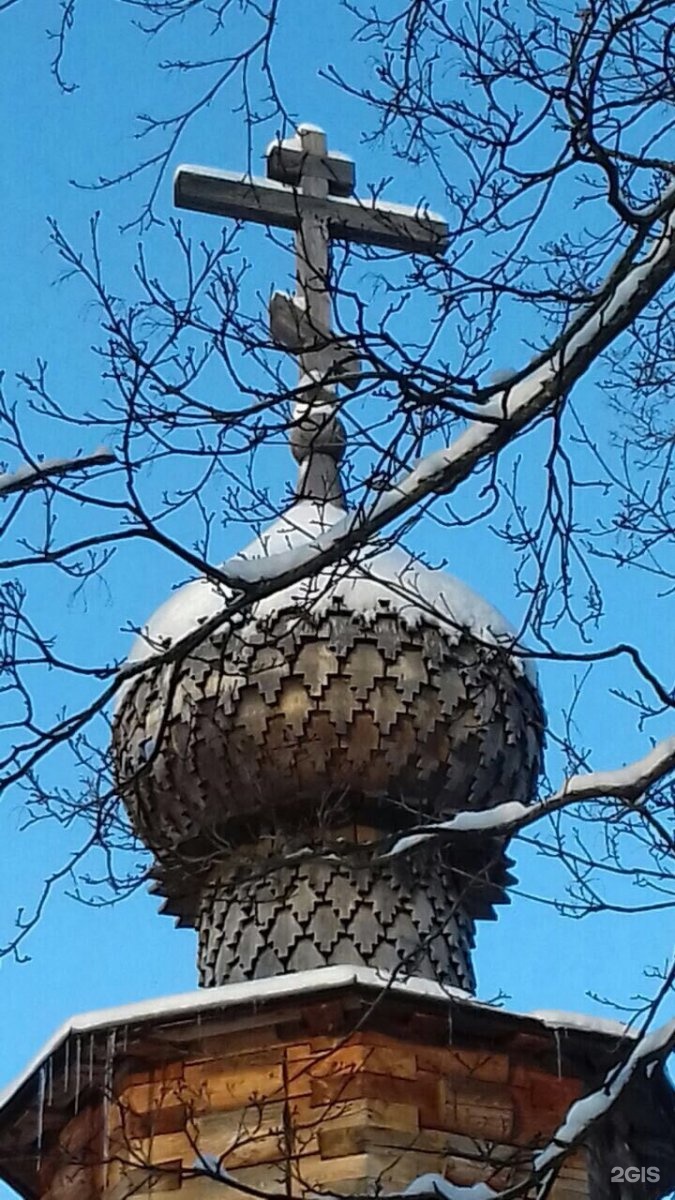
[
  {"x": 260, "y": 767},
  {"x": 269, "y": 767}
]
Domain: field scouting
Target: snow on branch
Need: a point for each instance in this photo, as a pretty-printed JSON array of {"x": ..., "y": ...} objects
[
  {"x": 580, "y": 1119},
  {"x": 625, "y": 783},
  {"x": 631, "y": 288},
  {"x": 585, "y": 1112},
  {"x": 627, "y": 291},
  {"x": 432, "y": 1184},
  {"x": 32, "y": 474}
]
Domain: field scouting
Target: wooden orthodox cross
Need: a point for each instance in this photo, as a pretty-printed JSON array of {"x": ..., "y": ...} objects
[{"x": 309, "y": 190}]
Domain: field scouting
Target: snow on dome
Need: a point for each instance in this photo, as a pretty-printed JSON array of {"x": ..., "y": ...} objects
[{"x": 367, "y": 583}]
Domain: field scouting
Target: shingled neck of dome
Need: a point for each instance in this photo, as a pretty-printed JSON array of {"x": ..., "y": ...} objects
[
  {"x": 296, "y": 747},
  {"x": 317, "y": 440}
]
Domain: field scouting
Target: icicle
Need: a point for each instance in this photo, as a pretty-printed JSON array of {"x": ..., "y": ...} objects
[
  {"x": 91, "y": 1058},
  {"x": 125, "y": 1038},
  {"x": 108, "y": 1080},
  {"x": 78, "y": 1072},
  {"x": 42, "y": 1091},
  {"x": 66, "y": 1065},
  {"x": 50, "y": 1081},
  {"x": 558, "y": 1050}
]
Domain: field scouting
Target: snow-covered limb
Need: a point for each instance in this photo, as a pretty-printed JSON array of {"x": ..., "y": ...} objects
[
  {"x": 432, "y": 1184},
  {"x": 625, "y": 783},
  {"x": 585, "y": 1112},
  {"x": 428, "y": 1185},
  {"x": 510, "y": 411},
  {"x": 578, "y": 1123},
  {"x": 259, "y": 576},
  {"x": 32, "y": 474}
]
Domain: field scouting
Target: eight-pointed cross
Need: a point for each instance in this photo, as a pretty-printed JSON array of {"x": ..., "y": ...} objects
[{"x": 309, "y": 190}]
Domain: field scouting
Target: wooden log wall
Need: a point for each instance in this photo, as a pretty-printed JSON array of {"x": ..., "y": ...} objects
[{"x": 336, "y": 1112}]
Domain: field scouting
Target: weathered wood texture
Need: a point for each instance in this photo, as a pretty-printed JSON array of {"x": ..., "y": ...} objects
[
  {"x": 268, "y": 723},
  {"x": 341, "y": 1112},
  {"x": 74, "y": 1169},
  {"x": 365, "y": 221},
  {"x": 389, "y": 915},
  {"x": 344, "y": 1087},
  {"x": 295, "y": 727}
]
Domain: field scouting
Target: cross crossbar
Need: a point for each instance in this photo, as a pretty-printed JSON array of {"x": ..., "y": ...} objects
[
  {"x": 266, "y": 202},
  {"x": 287, "y": 162}
]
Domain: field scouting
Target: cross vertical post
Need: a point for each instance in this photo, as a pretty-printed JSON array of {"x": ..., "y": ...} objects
[
  {"x": 302, "y": 323},
  {"x": 311, "y": 239}
]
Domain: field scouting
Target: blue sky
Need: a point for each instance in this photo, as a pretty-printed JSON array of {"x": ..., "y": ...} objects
[{"x": 82, "y": 958}]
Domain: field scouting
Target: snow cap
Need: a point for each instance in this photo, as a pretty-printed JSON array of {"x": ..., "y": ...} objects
[{"x": 371, "y": 580}]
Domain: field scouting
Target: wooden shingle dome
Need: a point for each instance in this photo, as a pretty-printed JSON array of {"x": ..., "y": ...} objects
[{"x": 357, "y": 704}]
